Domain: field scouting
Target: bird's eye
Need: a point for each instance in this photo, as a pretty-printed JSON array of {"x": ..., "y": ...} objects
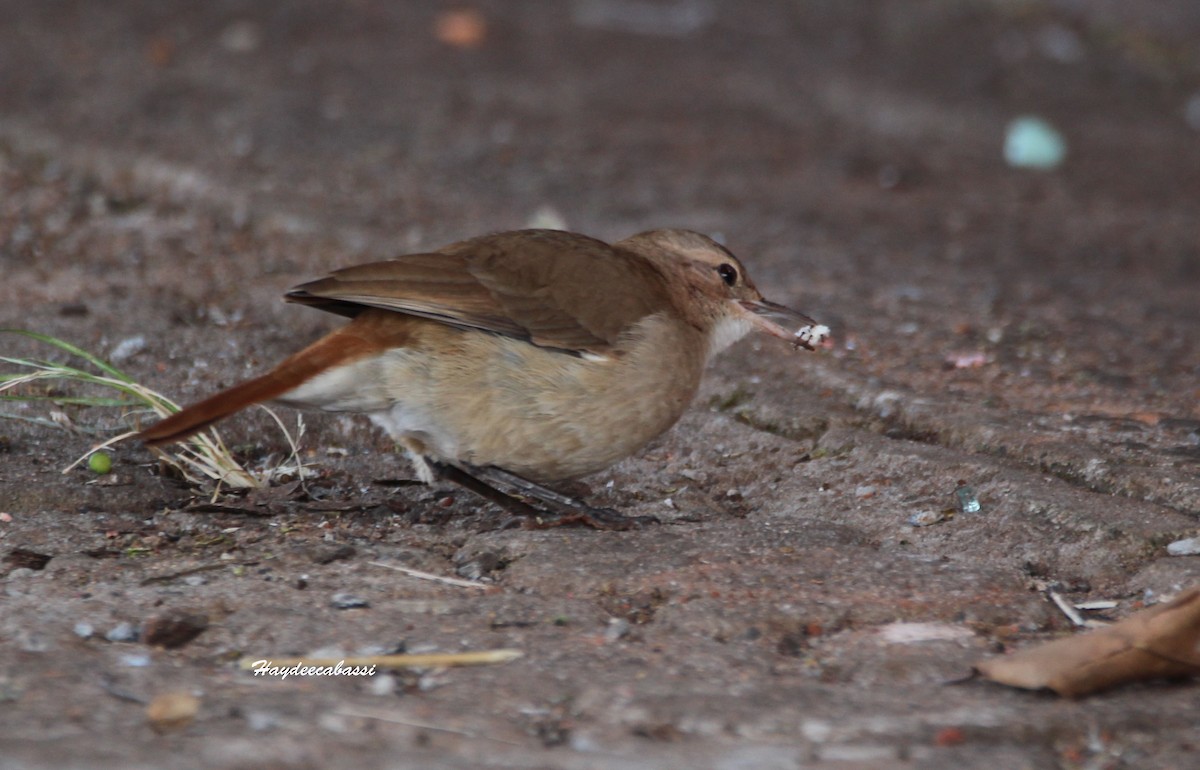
[{"x": 728, "y": 273}]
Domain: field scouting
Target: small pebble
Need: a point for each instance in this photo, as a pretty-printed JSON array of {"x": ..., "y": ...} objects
[
  {"x": 617, "y": 629},
  {"x": 1188, "y": 547},
  {"x": 261, "y": 721},
  {"x": 478, "y": 565},
  {"x": 348, "y": 601},
  {"x": 325, "y": 553},
  {"x": 29, "y": 641},
  {"x": 382, "y": 685},
  {"x": 85, "y": 630},
  {"x": 122, "y": 632},
  {"x": 136, "y": 660},
  {"x": 967, "y": 360},
  {"x": 127, "y": 349},
  {"x": 431, "y": 680},
  {"x": 925, "y": 518},
  {"x": 966, "y": 499},
  {"x": 334, "y": 723},
  {"x": 172, "y": 710}
]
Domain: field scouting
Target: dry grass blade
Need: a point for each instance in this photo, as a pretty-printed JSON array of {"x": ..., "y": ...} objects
[
  {"x": 294, "y": 466},
  {"x": 407, "y": 660},
  {"x": 204, "y": 456}
]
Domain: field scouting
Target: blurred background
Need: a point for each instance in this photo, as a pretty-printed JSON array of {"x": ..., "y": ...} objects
[{"x": 406, "y": 123}]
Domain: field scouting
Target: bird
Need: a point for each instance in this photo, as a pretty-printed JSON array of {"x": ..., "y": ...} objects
[{"x": 511, "y": 361}]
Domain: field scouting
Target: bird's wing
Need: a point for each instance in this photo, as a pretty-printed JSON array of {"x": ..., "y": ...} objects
[{"x": 556, "y": 289}]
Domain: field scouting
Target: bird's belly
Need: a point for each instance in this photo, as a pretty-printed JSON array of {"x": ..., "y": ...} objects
[{"x": 546, "y": 415}]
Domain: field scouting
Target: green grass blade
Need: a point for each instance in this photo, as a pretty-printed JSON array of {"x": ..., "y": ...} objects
[
  {"x": 92, "y": 359},
  {"x": 42, "y": 421},
  {"x": 202, "y": 456},
  {"x": 74, "y": 400}
]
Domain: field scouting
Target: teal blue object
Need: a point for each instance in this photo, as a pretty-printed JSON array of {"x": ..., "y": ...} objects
[
  {"x": 966, "y": 499},
  {"x": 1031, "y": 142}
]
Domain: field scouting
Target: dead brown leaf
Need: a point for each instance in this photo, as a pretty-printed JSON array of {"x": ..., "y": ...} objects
[
  {"x": 1160, "y": 642},
  {"x": 462, "y": 28}
]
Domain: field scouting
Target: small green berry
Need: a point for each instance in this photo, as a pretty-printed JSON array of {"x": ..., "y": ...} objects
[{"x": 100, "y": 463}]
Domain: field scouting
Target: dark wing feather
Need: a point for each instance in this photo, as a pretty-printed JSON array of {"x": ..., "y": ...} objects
[{"x": 538, "y": 285}]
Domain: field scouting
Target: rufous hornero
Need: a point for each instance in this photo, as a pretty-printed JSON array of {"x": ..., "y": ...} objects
[{"x": 510, "y": 361}]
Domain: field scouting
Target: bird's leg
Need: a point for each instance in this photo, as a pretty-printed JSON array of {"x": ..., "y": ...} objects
[
  {"x": 562, "y": 509},
  {"x": 507, "y": 490},
  {"x": 483, "y": 489}
]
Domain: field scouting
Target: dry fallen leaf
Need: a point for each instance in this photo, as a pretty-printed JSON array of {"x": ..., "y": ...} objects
[
  {"x": 463, "y": 28},
  {"x": 1160, "y": 642}
]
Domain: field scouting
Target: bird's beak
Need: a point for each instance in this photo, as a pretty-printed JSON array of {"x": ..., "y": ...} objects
[{"x": 785, "y": 323}]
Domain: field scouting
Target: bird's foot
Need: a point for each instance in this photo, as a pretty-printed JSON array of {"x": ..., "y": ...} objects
[
  {"x": 510, "y": 491},
  {"x": 596, "y": 518}
]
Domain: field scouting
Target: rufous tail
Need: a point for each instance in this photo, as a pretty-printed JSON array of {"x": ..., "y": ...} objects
[
  {"x": 369, "y": 333},
  {"x": 199, "y": 416}
]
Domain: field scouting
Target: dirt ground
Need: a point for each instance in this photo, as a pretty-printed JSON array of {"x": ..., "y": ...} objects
[{"x": 168, "y": 169}]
